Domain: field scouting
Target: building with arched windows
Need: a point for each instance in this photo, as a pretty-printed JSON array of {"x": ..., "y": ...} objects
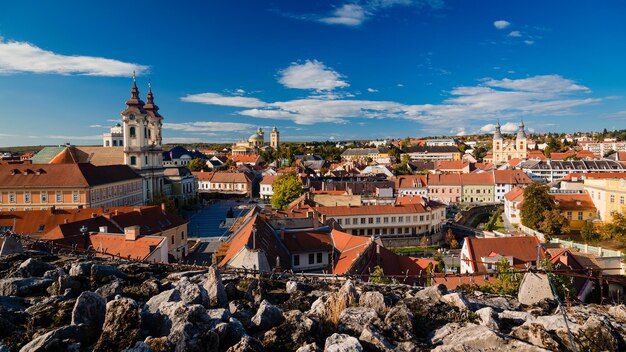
[
  {"x": 505, "y": 150},
  {"x": 255, "y": 143}
]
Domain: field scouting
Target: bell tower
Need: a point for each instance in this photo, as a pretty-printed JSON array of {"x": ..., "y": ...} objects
[
  {"x": 497, "y": 144},
  {"x": 521, "y": 142},
  {"x": 275, "y": 139},
  {"x": 141, "y": 126}
]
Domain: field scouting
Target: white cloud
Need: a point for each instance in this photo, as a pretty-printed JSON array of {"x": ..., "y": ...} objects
[
  {"x": 400, "y": 85},
  {"x": 208, "y": 126},
  {"x": 183, "y": 140},
  {"x": 18, "y": 57},
  {"x": 509, "y": 127},
  {"x": 529, "y": 42},
  {"x": 549, "y": 95},
  {"x": 311, "y": 75},
  {"x": 515, "y": 34},
  {"x": 218, "y": 99},
  {"x": 501, "y": 24},
  {"x": 348, "y": 14},
  {"x": 76, "y": 138},
  {"x": 372, "y": 90},
  {"x": 240, "y": 91}
]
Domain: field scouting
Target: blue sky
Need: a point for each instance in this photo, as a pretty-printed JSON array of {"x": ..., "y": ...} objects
[{"x": 317, "y": 70}]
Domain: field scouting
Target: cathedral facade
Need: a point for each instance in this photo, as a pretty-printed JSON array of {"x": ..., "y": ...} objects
[
  {"x": 505, "y": 150},
  {"x": 255, "y": 143},
  {"x": 141, "y": 128}
]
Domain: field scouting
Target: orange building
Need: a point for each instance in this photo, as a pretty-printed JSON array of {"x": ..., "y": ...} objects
[{"x": 41, "y": 186}]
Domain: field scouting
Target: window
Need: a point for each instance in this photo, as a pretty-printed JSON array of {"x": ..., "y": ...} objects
[
  {"x": 182, "y": 235},
  {"x": 145, "y": 132},
  {"x": 347, "y": 221},
  {"x": 569, "y": 215},
  {"x": 414, "y": 218},
  {"x": 133, "y": 160},
  {"x": 386, "y": 220},
  {"x": 400, "y": 219},
  {"x": 132, "y": 132},
  {"x": 378, "y": 220},
  {"x": 26, "y": 197},
  {"x": 172, "y": 239},
  {"x": 421, "y": 217},
  {"x": 59, "y": 197},
  {"x": 296, "y": 260},
  {"x": 106, "y": 143},
  {"x": 370, "y": 220},
  {"x": 612, "y": 198},
  {"x": 362, "y": 220},
  {"x": 319, "y": 258},
  {"x": 340, "y": 221},
  {"x": 146, "y": 158},
  {"x": 40, "y": 228},
  {"x": 393, "y": 219},
  {"x": 580, "y": 215},
  {"x": 311, "y": 258},
  {"x": 44, "y": 197},
  {"x": 12, "y": 197},
  {"x": 621, "y": 200}
]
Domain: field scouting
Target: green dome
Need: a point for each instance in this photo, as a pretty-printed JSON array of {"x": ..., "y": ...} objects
[{"x": 256, "y": 137}]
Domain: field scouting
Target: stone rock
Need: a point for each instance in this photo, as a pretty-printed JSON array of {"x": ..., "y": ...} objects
[
  {"x": 456, "y": 299},
  {"x": 374, "y": 300},
  {"x": 486, "y": 318},
  {"x": 291, "y": 287},
  {"x": 536, "y": 335},
  {"x": 230, "y": 333},
  {"x": 110, "y": 290},
  {"x": 399, "y": 323},
  {"x": 23, "y": 287},
  {"x": 342, "y": 343},
  {"x": 480, "y": 338},
  {"x": 432, "y": 293},
  {"x": 150, "y": 287},
  {"x": 220, "y": 314},
  {"x": 215, "y": 288},
  {"x": 518, "y": 317},
  {"x": 139, "y": 347},
  {"x": 158, "y": 344},
  {"x": 191, "y": 293},
  {"x": 436, "y": 337},
  {"x": 596, "y": 334},
  {"x": 256, "y": 292},
  {"x": 534, "y": 288},
  {"x": 121, "y": 325},
  {"x": 267, "y": 316},
  {"x": 618, "y": 313},
  {"x": 550, "y": 322},
  {"x": 310, "y": 347},
  {"x": 10, "y": 245},
  {"x": 498, "y": 302},
  {"x": 247, "y": 344},
  {"x": 155, "y": 302},
  {"x": 32, "y": 268},
  {"x": 353, "y": 319},
  {"x": 102, "y": 272},
  {"x": 374, "y": 340},
  {"x": 319, "y": 306},
  {"x": 52, "y": 340},
  {"x": 295, "y": 331},
  {"x": 188, "y": 327},
  {"x": 348, "y": 294},
  {"x": 82, "y": 269},
  {"x": 178, "y": 276},
  {"x": 90, "y": 310},
  {"x": 231, "y": 291},
  {"x": 4, "y": 348}
]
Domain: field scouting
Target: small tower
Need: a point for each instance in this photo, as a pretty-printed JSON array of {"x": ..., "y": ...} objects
[
  {"x": 275, "y": 139},
  {"x": 520, "y": 141},
  {"x": 261, "y": 133}
]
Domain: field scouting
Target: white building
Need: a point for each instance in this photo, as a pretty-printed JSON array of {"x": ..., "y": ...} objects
[
  {"x": 448, "y": 142},
  {"x": 506, "y": 180},
  {"x": 512, "y": 203},
  {"x": 267, "y": 187},
  {"x": 115, "y": 138}
]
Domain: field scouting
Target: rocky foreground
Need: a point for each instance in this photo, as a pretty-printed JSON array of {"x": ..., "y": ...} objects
[{"x": 50, "y": 303}]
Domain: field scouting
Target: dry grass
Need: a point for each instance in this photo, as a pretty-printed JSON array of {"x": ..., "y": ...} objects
[{"x": 337, "y": 302}]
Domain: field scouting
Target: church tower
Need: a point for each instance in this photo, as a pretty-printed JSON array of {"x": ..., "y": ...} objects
[
  {"x": 275, "y": 139},
  {"x": 520, "y": 141},
  {"x": 141, "y": 125},
  {"x": 497, "y": 144}
]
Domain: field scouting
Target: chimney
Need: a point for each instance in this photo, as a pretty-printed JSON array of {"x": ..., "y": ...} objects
[
  {"x": 52, "y": 209},
  {"x": 163, "y": 207},
  {"x": 115, "y": 212},
  {"x": 66, "y": 220},
  {"x": 103, "y": 229},
  {"x": 131, "y": 232},
  {"x": 94, "y": 215}
]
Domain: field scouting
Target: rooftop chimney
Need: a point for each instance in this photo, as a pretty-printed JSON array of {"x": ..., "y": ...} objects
[
  {"x": 163, "y": 207},
  {"x": 103, "y": 229},
  {"x": 94, "y": 215},
  {"x": 131, "y": 233}
]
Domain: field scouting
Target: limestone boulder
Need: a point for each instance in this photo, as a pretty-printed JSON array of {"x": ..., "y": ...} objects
[
  {"x": 534, "y": 288},
  {"x": 90, "y": 310},
  {"x": 213, "y": 285},
  {"x": 342, "y": 343},
  {"x": 121, "y": 326},
  {"x": 374, "y": 300},
  {"x": 267, "y": 316},
  {"x": 353, "y": 319}
]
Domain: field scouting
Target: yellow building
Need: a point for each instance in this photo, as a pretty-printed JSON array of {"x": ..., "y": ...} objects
[
  {"x": 505, "y": 150},
  {"x": 577, "y": 208},
  {"x": 42, "y": 186},
  {"x": 608, "y": 194}
]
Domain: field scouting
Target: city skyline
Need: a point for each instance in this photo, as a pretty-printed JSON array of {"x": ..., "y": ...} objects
[{"x": 320, "y": 71}]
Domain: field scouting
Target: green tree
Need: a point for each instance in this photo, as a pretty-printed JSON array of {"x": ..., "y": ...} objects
[
  {"x": 553, "y": 224},
  {"x": 378, "y": 276},
  {"x": 454, "y": 244},
  {"x": 616, "y": 229},
  {"x": 287, "y": 188},
  {"x": 449, "y": 236},
  {"x": 198, "y": 164},
  {"x": 536, "y": 202},
  {"x": 170, "y": 206},
  {"x": 588, "y": 232},
  {"x": 441, "y": 265}
]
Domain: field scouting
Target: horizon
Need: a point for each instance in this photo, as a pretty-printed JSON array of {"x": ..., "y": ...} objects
[{"x": 323, "y": 71}]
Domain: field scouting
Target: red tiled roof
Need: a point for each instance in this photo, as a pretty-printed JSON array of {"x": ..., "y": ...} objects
[
  {"x": 349, "y": 248},
  {"x": 593, "y": 175},
  {"x": 444, "y": 180},
  {"x": 411, "y": 181},
  {"x": 451, "y": 164},
  {"x": 371, "y": 209},
  {"x": 514, "y": 162},
  {"x": 567, "y": 201},
  {"x": 477, "y": 179},
  {"x": 63, "y": 175},
  {"x": 523, "y": 249},
  {"x": 269, "y": 179},
  {"x": 483, "y": 166},
  {"x": 302, "y": 241},
  {"x": 452, "y": 282},
  {"x": 536, "y": 154},
  {"x": 116, "y": 244},
  {"x": 514, "y": 177},
  {"x": 250, "y": 159},
  {"x": 514, "y": 194}
]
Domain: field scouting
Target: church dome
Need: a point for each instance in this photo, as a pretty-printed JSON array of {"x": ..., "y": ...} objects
[{"x": 255, "y": 137}]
